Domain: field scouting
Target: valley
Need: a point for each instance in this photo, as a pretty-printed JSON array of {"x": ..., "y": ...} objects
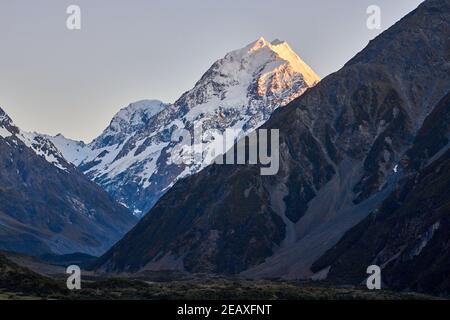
[
  {"x": 172, "y": 286},
  {"x": 261, "y": 182}
]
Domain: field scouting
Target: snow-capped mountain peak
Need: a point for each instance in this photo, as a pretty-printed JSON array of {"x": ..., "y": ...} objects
[
  {"x": 135, "y": 159},
  {"x": 128, "y": 120},
  {"x": 281, "y": 51},
  {"x": 256, "y": 45},
  {"x": 261, "y": 70},
  {"x": 135, "y": 114},
  {"x": 38, "y": 143},
  {"x": 73, "y": 151}
]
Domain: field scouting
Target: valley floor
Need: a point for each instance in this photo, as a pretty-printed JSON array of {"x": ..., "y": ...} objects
[
  {"x": 219, "y": 289},
  {"x": 24, "y": 278}
]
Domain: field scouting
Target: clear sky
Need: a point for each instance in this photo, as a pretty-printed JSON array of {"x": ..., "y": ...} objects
[{"x": 53, "y": 80}]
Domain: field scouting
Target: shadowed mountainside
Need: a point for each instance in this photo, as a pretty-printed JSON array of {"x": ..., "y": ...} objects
[
  {"x": 47, "y": 205},
  {"x": 341, "y": 146}
]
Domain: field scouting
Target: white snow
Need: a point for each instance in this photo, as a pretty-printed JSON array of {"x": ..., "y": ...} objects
[
  {"x": 4, "y": 133},
  {"x": 134, "y": 111},
  {"x": 51, "y": 154},
  {"x": 74, "y": 151},
  {"x": 237, "y": 72},
  {"x": 36, "y": 142},
  {"x": 240, "y": 91}
]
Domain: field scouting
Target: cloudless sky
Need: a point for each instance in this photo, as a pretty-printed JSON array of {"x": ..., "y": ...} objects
[{"x": 53, "y": 80}]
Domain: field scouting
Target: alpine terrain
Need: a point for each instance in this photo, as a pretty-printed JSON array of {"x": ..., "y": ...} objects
[
  {"x": 47, "y": 205},
  {"x": 136, "y": 159},
  {"x": 368, "y": 143}
]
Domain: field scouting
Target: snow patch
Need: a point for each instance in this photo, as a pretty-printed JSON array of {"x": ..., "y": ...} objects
[
  {"x": 424, "y": 239},
  {"x": 4, "y": 133}
]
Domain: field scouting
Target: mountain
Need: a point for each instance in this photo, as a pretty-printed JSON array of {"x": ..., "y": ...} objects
[
  {"x": 408, "y": 235},
  {"x": 47, "y": 205},
  {"x": 135, "y": 159},
  {"x": 342, "y": 145}
]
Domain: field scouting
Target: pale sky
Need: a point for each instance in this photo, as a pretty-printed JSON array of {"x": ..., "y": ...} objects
[{"x": 53, "y": 80}]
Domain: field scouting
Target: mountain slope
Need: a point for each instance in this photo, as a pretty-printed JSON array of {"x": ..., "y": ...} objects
[
  {"x": 136, "y": 160},
  {"x": 340, "y": 147},
  {"x": 408, "y": 235},
  {"x": 48, "y": 205}
]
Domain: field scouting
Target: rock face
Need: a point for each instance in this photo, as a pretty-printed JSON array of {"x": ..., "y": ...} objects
[
  {"x": 341, "y": 150},
  {"x": 46, "y": 204},
  {"x": 135, "y": 159},
  {"x": 408, "y": 235}
]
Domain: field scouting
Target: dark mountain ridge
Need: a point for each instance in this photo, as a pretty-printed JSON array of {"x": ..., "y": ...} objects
[{"x": 408, "y": 235}]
